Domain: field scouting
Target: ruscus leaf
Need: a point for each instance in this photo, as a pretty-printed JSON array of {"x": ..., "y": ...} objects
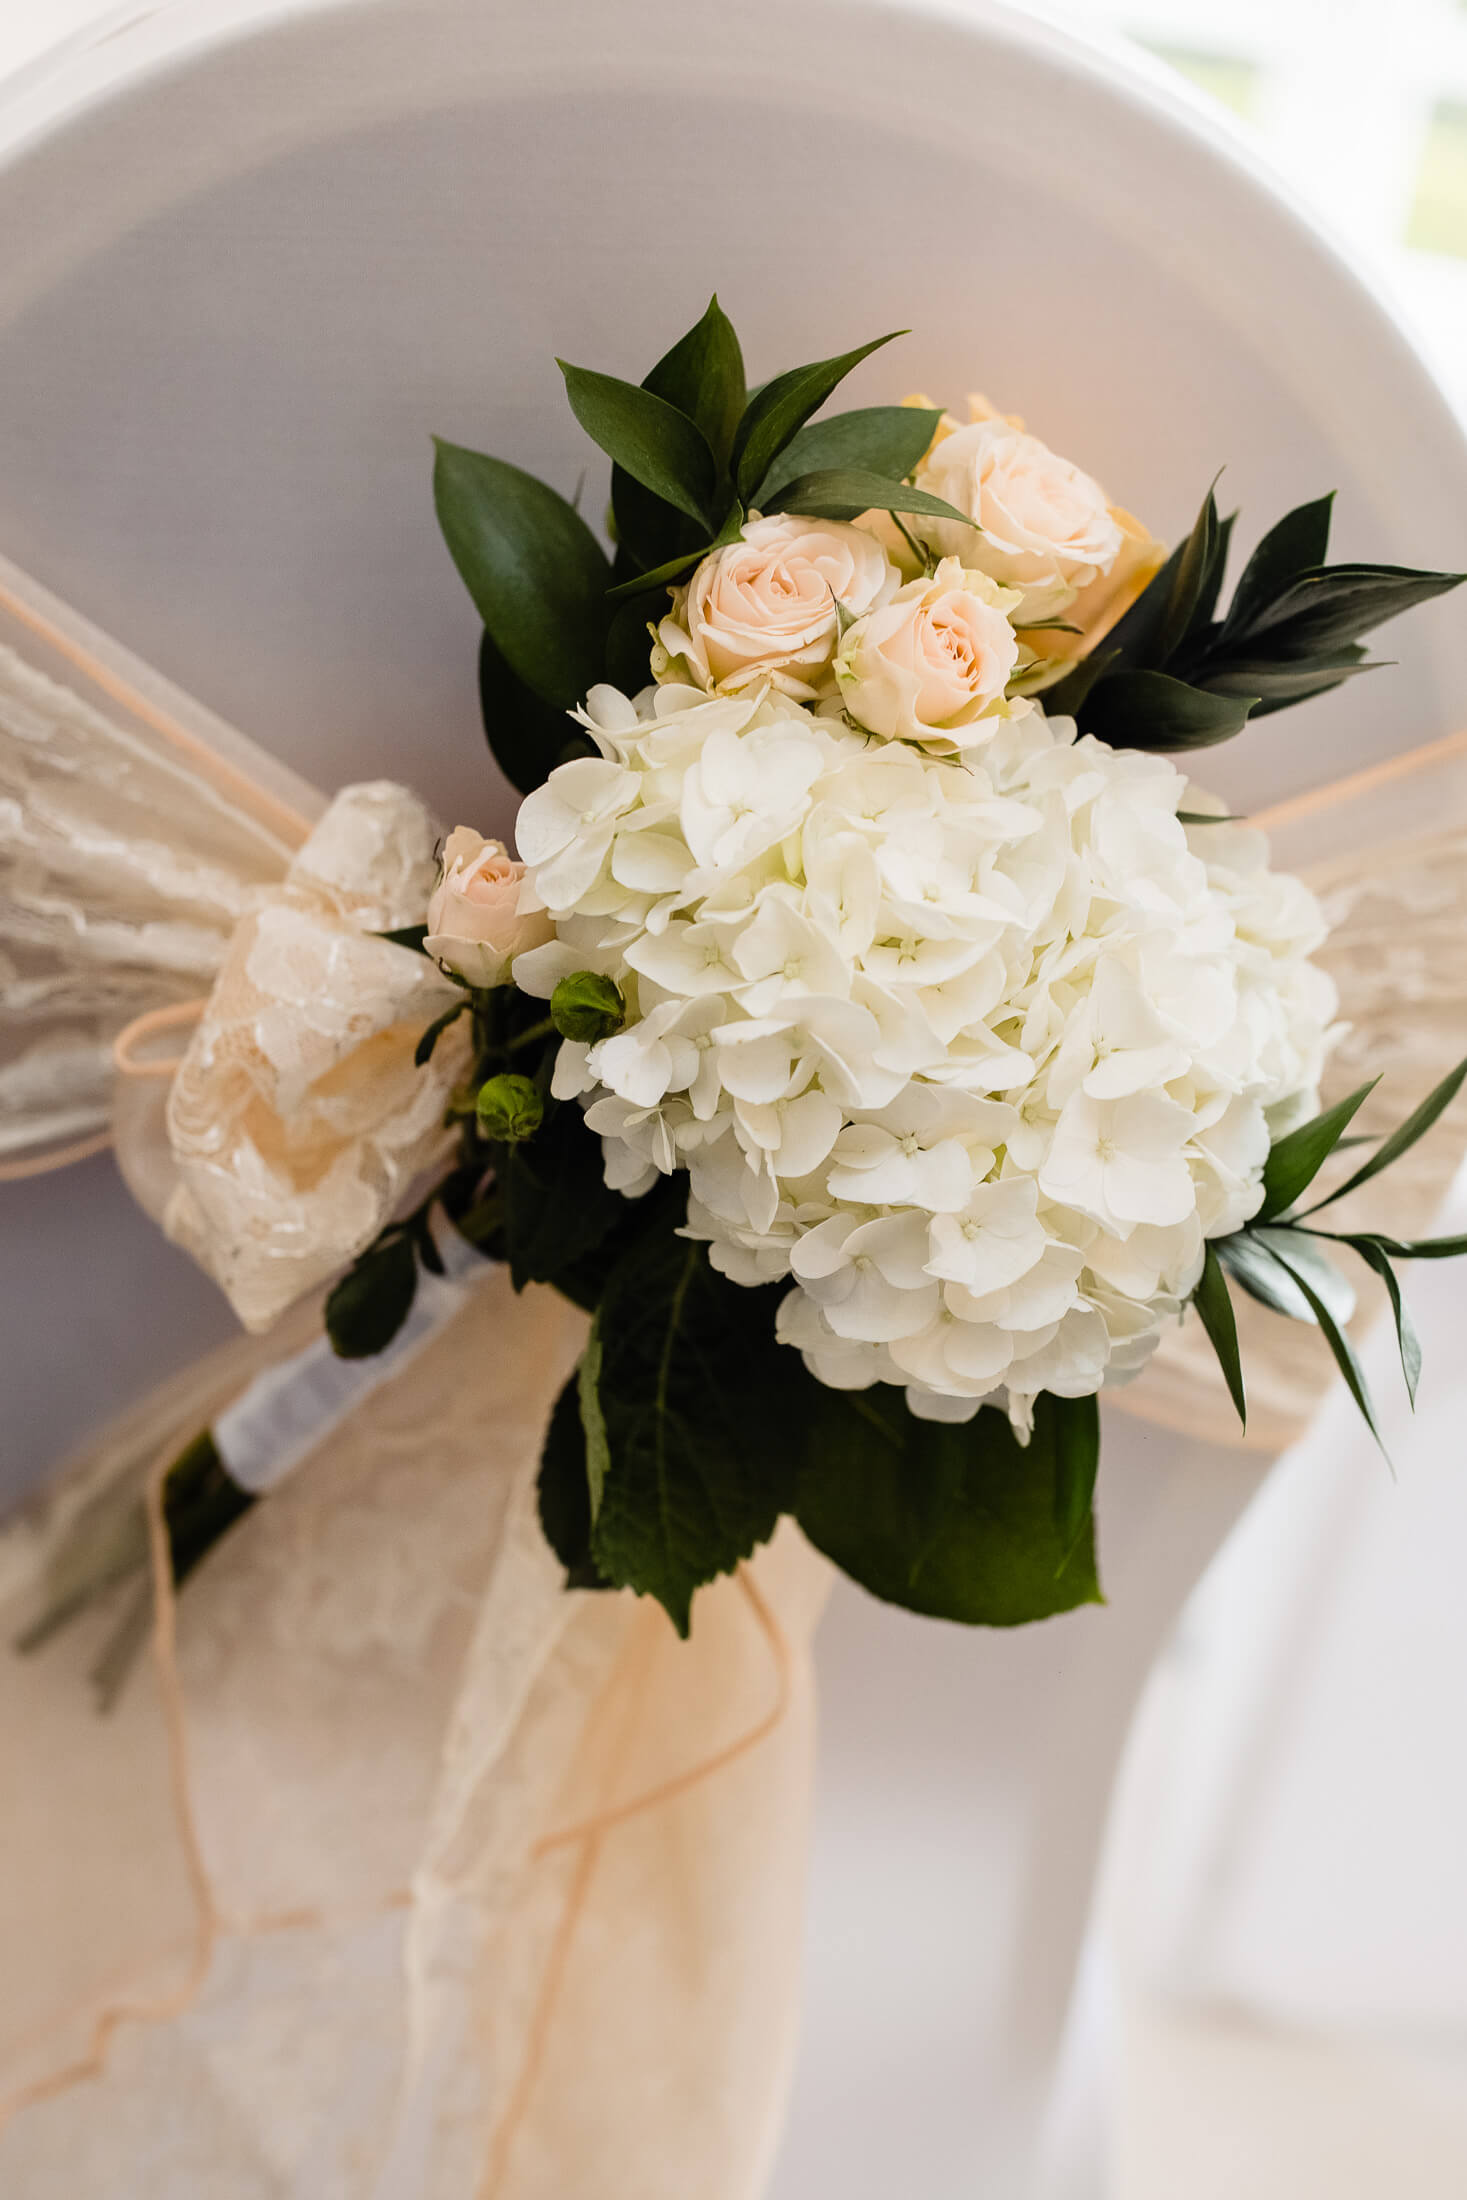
[
  {"x": 782, "y": 406},
  {"x": 536, "y": 573},
  {"x": 1407, "y": 1341},
  {"x": 653, "y": 441},
  {"x": 1299, "y": 542},
  {"x": 1151, "y": 710},
  {"x": 889, "y": 440},
  {"x": 846, "y": 490},
  {"x": 1339, "y": 1344},
  {"x": 1421, "y": 1119},
  {"x": 1215, "y": 1310},
  {"x": 1296, "y": 1159},
  {"x": 703, "y": 375}
]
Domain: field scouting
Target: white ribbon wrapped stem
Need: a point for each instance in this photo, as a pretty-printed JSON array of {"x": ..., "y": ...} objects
[{"x": 289, "y": 1410}]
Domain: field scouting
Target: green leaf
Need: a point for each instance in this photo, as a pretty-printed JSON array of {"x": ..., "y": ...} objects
[
  {"x": 1278, "y": 686},
  {"x": 954, "y": 1520},
  {"x": 1194, "y": 584},
  {"x": 692, "y": 1391},
  {"x": 1421, "y": 1119},
  {"x": 1338, "y": 603},
  {"x": 1163, "y": 611},
  {"x": 647, "y": 437},
  {"x": 1408, "y": 1343},
  {"x": 639, "y": 584},
  {"x": 1298, "y": 543},
  {"x": 1246, "y": 1257},
  {"x": 1215, "y": 1309},
  {"x": 1295, "y": 1160},
  {"x": 423, "y": 1051},
  {"x": 527, "y": 736},
  {"x": 565, "y": 1510},
  {"x": 839, "y": 493},
  {"x": 593, "y": 1421},
  {"x": 1151, "y": 710},
  {"x": 889, "y": 440},
  {"x": 1072, "y": 1426},
  {"x": 366, "y": 1309},
  {"x": 406, "y": 935},
  {"x": 558, "y": 1206},
  {"x": 660, "y": 576},
  {"x": 1069, "y": 697},
  {"x": 1439, "y": 1248},
  {"x": 1208, "y": 817},
  {"x": 703, "y": 375},
  {"x": 780, "y": 408},
  {"x": 1339, "y": 1344},
  {"x": 536, "y": 572}
]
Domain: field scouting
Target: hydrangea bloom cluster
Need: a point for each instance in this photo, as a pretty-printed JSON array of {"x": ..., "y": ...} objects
[{"x": 976, "y": 1047}]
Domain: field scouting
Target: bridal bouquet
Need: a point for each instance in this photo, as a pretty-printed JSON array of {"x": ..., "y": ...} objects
[{"x": 879, "y": 1033}]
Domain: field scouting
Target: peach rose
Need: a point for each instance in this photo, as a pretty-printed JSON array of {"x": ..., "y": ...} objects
[
  {"x": 934, "y": 662},
  {"x": 484, "y": 910},
  {"x": 765, "y": 607},
  {"x": 1043, "y": 526},
  {"x": 1095, "y": 610}
]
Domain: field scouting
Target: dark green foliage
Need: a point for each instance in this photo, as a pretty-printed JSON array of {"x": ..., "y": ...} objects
[
  {"x": 959, "y": 1521},
  {"x": 1292, "y": 630},
  {"x": 366, "y": 1309}
]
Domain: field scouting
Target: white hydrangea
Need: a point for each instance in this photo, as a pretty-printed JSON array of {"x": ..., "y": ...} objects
[{"x": 977, "y": 1049}]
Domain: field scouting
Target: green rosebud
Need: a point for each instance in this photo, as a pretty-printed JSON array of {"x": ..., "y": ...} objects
[
  {"x": 509, "y": 1109},
  {"x": 587, "y": 1007}
]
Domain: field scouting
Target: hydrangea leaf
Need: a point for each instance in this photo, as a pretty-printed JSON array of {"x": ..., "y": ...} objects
[
  {"x": 695, "y": 1402},
  {"x": 563, "y": 1495},
  {"x": 958, "y": 1521}
]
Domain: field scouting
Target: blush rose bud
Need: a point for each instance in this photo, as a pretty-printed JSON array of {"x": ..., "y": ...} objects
[
  {"x": 587, "y": 1007},
  {"x": 509, "y": 1109},
  {"x": 483, "y": 912}
]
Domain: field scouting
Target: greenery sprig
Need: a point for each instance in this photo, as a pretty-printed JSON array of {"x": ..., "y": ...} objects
[
  {"x": 1173, "y": 675},
  {"x": 1279, "y": 1257}
]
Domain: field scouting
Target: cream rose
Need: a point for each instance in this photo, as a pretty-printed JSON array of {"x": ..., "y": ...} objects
[
  {"x": 1045, "y": 526},
  {"x": 934, "y": 662},
  {"x": 764, "y": 607},
  {"x": 484, "y": 911}
]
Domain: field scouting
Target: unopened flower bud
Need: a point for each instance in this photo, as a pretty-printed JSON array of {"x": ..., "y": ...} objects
[
  {"x": 587, "y": 1007},
  {"x": 510, "y": 1109}
]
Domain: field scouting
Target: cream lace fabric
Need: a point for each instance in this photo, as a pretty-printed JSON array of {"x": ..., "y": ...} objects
[
  {"x": 298, "y": 1119},
  {"x": 127, "y": 857},
  {"x": 400, "y": 1873}
]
